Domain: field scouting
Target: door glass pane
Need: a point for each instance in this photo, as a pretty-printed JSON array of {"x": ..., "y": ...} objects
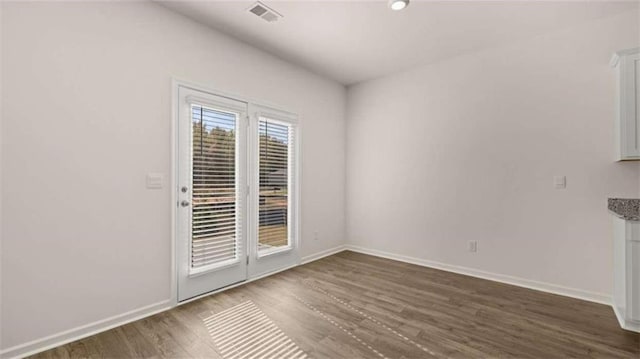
[
  {"x": 273, "y": 211},
  {"x": 214, "y": 221}
]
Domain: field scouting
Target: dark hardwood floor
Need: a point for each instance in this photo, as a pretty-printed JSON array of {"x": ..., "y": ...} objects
[{"x": 351, "y": 305}]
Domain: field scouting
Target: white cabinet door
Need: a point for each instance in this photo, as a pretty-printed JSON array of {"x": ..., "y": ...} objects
[
  {"x": 626, "y": 263},
  {"x": 627, "y": 63}
]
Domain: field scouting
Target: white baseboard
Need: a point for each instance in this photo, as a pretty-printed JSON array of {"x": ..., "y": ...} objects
[
  {"x": 83, "y": 331},
  {"x": 631, "y": 325},
  {"x": 520, "y": 282},
  {"x": 325, "y": 253}
]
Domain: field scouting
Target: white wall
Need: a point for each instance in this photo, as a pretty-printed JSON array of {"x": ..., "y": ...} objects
[
  {"x": 466, "y": 149},
  {"x": 87, "y": 90}
]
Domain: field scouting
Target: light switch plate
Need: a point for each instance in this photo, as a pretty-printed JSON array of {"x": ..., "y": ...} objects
[
  {"x": 560, "y": 182},
  {"x": 155, "y": 180}
]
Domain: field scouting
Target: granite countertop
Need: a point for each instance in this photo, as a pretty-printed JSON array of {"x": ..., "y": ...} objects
[{"x": 625, "y": 208}]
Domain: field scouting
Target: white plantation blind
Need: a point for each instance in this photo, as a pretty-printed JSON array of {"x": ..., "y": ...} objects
[
  {"x": 275, "y": 169},
  {"x": 214, "y": 216}
]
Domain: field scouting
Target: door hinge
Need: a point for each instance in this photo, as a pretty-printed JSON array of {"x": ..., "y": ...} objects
[
  {"x": 248, "y": 190},
  {"x": 247, "y": 259}
]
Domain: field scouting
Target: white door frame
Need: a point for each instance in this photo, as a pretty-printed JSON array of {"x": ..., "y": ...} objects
[{"x": 175, "y": 84}]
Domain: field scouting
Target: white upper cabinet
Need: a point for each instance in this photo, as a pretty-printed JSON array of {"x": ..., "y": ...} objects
[{"x": 627, "y": 65}]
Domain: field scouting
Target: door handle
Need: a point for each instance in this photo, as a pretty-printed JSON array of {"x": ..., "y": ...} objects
[{"x": 184, "y": 203}]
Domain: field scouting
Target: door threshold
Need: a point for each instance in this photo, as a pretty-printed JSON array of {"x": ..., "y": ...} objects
[{"x": 236, "y": 284}]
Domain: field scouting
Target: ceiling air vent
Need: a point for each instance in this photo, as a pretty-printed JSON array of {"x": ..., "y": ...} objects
[{"x": 263, "y": 11}]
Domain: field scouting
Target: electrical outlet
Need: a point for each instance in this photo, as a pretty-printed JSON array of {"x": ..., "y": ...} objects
[
  {"x": 315, "y": 236},
  {"x": 473, "y": 246}
]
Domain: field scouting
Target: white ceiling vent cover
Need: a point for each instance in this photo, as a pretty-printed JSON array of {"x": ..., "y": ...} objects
[{"x": 263, "y": 11}]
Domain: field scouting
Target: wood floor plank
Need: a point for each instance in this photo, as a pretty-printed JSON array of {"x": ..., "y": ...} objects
[
  {"x": 138, "y": 345},
  {"x": 162, "y": 339},
  {"x": 351, "y": 305}
]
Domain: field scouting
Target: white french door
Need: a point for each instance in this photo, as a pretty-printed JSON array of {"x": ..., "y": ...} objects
[
  {"x": 212, "y": 185},
  {"x": 237, "y": 191}
]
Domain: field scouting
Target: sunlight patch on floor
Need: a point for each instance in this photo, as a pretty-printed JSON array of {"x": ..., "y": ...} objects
[{"x": 244, "y": 331}]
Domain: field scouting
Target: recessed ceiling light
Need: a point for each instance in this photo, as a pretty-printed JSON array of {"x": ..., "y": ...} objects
[{"x": 398, "y": 4}]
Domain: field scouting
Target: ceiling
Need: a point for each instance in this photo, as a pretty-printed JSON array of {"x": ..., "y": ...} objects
[{"x": 357, "y": 40}]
